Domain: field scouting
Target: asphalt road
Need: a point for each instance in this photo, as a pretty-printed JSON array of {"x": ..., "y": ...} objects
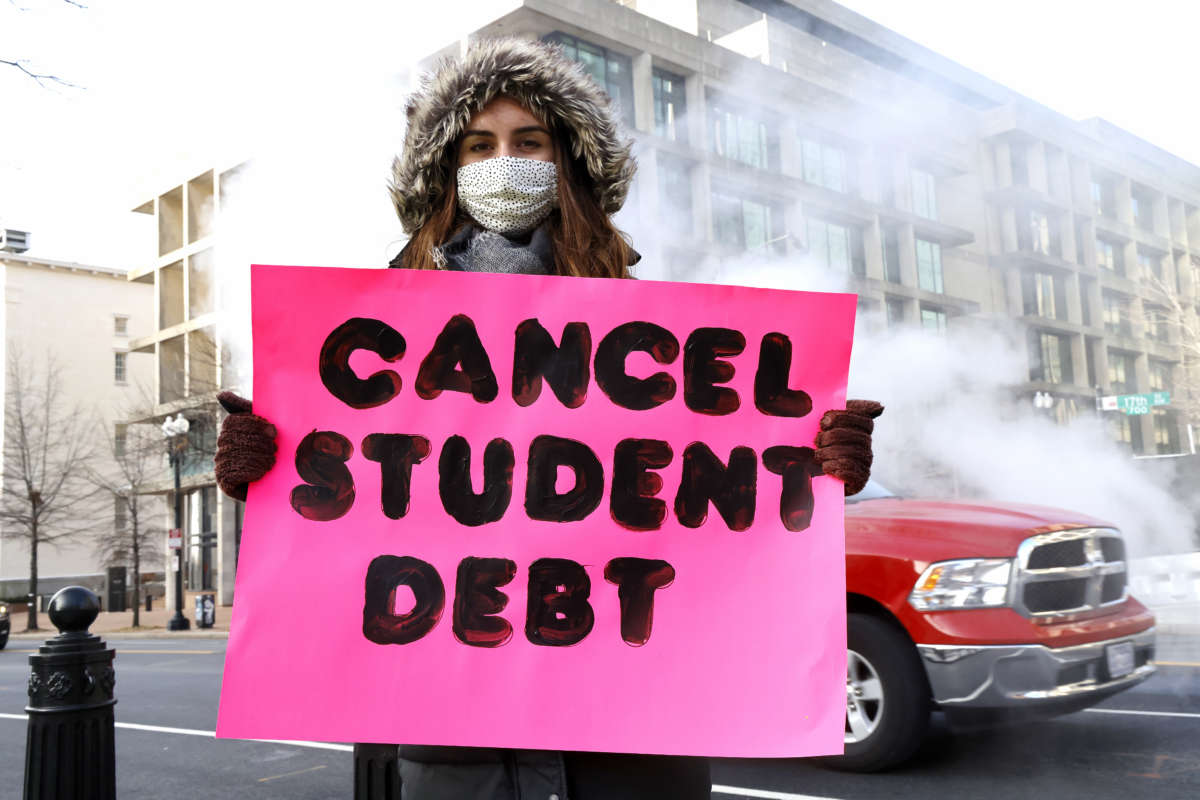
[{"x": 1143, "y": 743}]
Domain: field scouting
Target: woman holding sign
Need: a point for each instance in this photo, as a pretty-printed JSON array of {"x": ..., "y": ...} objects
[{"x": 513, "y": 162}]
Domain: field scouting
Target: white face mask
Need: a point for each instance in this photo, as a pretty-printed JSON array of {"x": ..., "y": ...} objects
[{"x": 506, "y": 194}]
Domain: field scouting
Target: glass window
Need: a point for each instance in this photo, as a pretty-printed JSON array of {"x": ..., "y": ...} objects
[
  {"x": 674, "y": 194},
  {"x": 1156, "y": 323},
  {"x": 1042, "y": 295},
  {"x": 933, "y": 319},
  {"x": 929, "y": 266},
  {"x": 836, "y": 246},
  {"x": 1102, "y": 198},
  {"x": 745, "y": 224},
  {"x": 1160, "y": 376},
  {"x": 613, "y": 71},
  {"x": 1116, "y": 314},
  {"x": 1165, "y": 432},
  {"x": 895, "y": 311},
  {"x": 669, "y": 105},
  {"x": 1121, "y": 372},
  {"x": 924, "y": 194},
  {"x": 119, "y": 439},
  {"x": 120, "y": 518},
  {"x": 1109, "y": 256},
  {"x": 120, "y": 325},
  {"x": 119, "y": 367},
  {"x": 742, "y": 137},
  {"x": 1149, "y": 264},
  {"x": 891, "y": 255},
  {"x": 1143, "y": 210},
  {"x": 1050, "y": 357},
  {"x": 1020, "y": 164},
  {"x": 824, "y": 165}
]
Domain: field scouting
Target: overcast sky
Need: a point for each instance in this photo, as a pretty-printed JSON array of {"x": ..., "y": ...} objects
[{"x": 172, "y": 85}]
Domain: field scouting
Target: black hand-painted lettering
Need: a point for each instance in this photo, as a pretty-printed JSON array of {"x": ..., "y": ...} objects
[
  {"x": 703, "y": 367},
  {"x": 636, "y": 580},
  {"x": 454, "y": 481},
  {"x": 360, "y": 333},
  {"x": 381, "y": 623},
  {"x": 567, "y": 368},
  {"x": 798, "y": 467},
  {"x": 558, "y": 613},
  {"x": 542, "y": 500},
  {"x": 633, "y": 504},
  {"x": 328, "y": 492},
  {"x": 396, "y": 454},
  {"x": 771, "y": 393},
  {"x": 633, "y": 393},
  {"x": 457, "y": 345},
  {"x": 731, "y": 489},
  {"x": 476, "y": 601}
]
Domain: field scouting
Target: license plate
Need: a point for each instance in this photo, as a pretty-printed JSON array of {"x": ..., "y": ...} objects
[{"x": 1120, "y": 659}]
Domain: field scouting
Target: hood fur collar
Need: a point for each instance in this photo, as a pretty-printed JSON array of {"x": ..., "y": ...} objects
[{"x": 535, "y": 74}]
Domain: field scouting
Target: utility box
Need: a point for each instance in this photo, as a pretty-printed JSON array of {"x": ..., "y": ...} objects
[
  {"x": 116, "y": 589},
  {"x": 206, "y": 610}
]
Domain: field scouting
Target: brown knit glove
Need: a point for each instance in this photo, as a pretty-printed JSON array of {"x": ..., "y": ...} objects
[
  {"x": 245, "y": 446},
  {"x": 844, "y": 443}
]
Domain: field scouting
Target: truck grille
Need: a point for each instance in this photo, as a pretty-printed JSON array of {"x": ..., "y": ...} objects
[{"x": 1068, "y": 572}]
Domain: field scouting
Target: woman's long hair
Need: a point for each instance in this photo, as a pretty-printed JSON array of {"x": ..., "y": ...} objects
[{"x": 586, "y": 244}]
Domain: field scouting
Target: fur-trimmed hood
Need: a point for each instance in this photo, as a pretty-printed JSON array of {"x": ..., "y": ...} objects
[{"x": 536, "y": 74}]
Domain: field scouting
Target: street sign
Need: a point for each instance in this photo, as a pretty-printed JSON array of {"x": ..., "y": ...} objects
[
  {"x": 175, "y": 539},
  {"x": 1135, "y": 404}
]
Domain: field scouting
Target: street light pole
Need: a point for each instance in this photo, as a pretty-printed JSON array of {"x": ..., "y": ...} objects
[{"x": 175, "y": 430}]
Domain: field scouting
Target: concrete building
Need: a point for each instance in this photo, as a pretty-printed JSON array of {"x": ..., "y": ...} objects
[
  {"x": 804, "y": 129},
  {"x": 189, "y": 364},
  {"x": 83, "y": 318}
]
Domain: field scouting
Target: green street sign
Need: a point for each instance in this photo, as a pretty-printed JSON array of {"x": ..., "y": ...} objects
[{"x": 1137, "y": 404}]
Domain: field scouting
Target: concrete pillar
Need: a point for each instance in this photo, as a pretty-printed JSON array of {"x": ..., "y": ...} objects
[
  {"x": 226, "y": 518},
  {"x": 907, "y": 242},
  {"x": 643, "y": 93},
  {"x": 1014, "y": 297},
  {"x": 1142, "y": 370},
  {"x": 1095, "y": 303},
  {"x": 1161, "y": 222},
  {"x": 697, "y": 112},
  {"x": 1003, "y": 161},
  {"x": 1123, "y": 200},
  {"x": 1066, "y": 236},
  {"x": 873, "y": 250},
  {"x": 1074, "y": 305},
  {"x": 702, "y": 202},
  {"x": 1079, "y": 375},
  {"x": 1036, "y": 155},
  {"x": 1100, "y": 358}
]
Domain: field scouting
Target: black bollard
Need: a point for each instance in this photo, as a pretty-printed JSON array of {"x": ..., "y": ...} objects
[
  {"x": 69, "y": 752},
  {"x": 376, "y": 772}
]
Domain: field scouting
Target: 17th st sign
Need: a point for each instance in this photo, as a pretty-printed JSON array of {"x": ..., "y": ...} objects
[{"x": 1135, "y": 404}]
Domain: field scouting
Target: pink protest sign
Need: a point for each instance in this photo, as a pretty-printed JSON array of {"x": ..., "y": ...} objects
[{"x": 542, "y": 512}]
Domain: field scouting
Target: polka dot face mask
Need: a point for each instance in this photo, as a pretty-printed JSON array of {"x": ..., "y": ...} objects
[{"x": 506, "y": 194}]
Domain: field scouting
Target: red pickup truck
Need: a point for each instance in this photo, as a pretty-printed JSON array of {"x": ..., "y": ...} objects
[{"x": 989, "y": 612}]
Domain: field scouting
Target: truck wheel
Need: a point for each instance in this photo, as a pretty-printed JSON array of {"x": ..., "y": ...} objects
[
  {"x": 887, "y": 697},
  {"x": 3, "y": 640}
]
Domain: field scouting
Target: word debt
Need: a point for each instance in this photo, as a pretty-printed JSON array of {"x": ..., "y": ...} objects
[
  {"x": 558, "y": 612},
  {"x": 458, "y": 362},
  {"x": 732, "y": 488}
]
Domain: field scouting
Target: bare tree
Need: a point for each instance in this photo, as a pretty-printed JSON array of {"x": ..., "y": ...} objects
[
  {"x": 23, "y": 64},
  {"x": 1176, "y": 317},
  {"x": 48, "y": 452},
  {"x": 133, "y": 462}
]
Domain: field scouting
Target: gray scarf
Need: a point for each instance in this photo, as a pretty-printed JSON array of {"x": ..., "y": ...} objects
[{"x": 474, "y": 249}]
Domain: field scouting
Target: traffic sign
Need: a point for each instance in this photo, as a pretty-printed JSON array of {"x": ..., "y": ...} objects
[
  {"x": 175, "y": 539},
  {"x": 1135, "y": 404}
]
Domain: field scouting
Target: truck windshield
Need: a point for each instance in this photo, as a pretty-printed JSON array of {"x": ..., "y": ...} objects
[{"x": 874, "y": 490}]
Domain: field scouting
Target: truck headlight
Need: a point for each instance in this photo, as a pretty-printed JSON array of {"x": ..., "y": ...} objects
[{"x": 966, "y": 583}]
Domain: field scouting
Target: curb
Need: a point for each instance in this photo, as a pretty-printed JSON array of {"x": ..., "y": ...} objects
[{"x": 157, "y": 633}]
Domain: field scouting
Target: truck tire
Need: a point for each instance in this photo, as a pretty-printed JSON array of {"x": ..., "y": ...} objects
[{"x": 887, "y": 696}]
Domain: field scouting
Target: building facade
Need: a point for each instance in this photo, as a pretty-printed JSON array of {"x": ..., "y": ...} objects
[
  {"x": 805, "y": 130},
  {"x": 81, "y": 319},
  {"x": 189, "y": 364}
]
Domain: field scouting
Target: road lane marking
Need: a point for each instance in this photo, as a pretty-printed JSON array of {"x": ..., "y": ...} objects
[
  {"x": 290, "y": 774},
  {"x": 149, "y": 652},
  {"x": 133, "y": 726},
  {"x": 1136, "y": 713},
  {"x": 1177, "y": 663},
  {"x": 767, "y": 794}
]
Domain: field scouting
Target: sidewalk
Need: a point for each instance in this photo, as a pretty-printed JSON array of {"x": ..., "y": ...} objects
[{"x": 120, "y": 623}]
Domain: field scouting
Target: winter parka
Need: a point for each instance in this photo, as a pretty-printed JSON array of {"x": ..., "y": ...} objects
[{"x": 558, "y": 91}]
